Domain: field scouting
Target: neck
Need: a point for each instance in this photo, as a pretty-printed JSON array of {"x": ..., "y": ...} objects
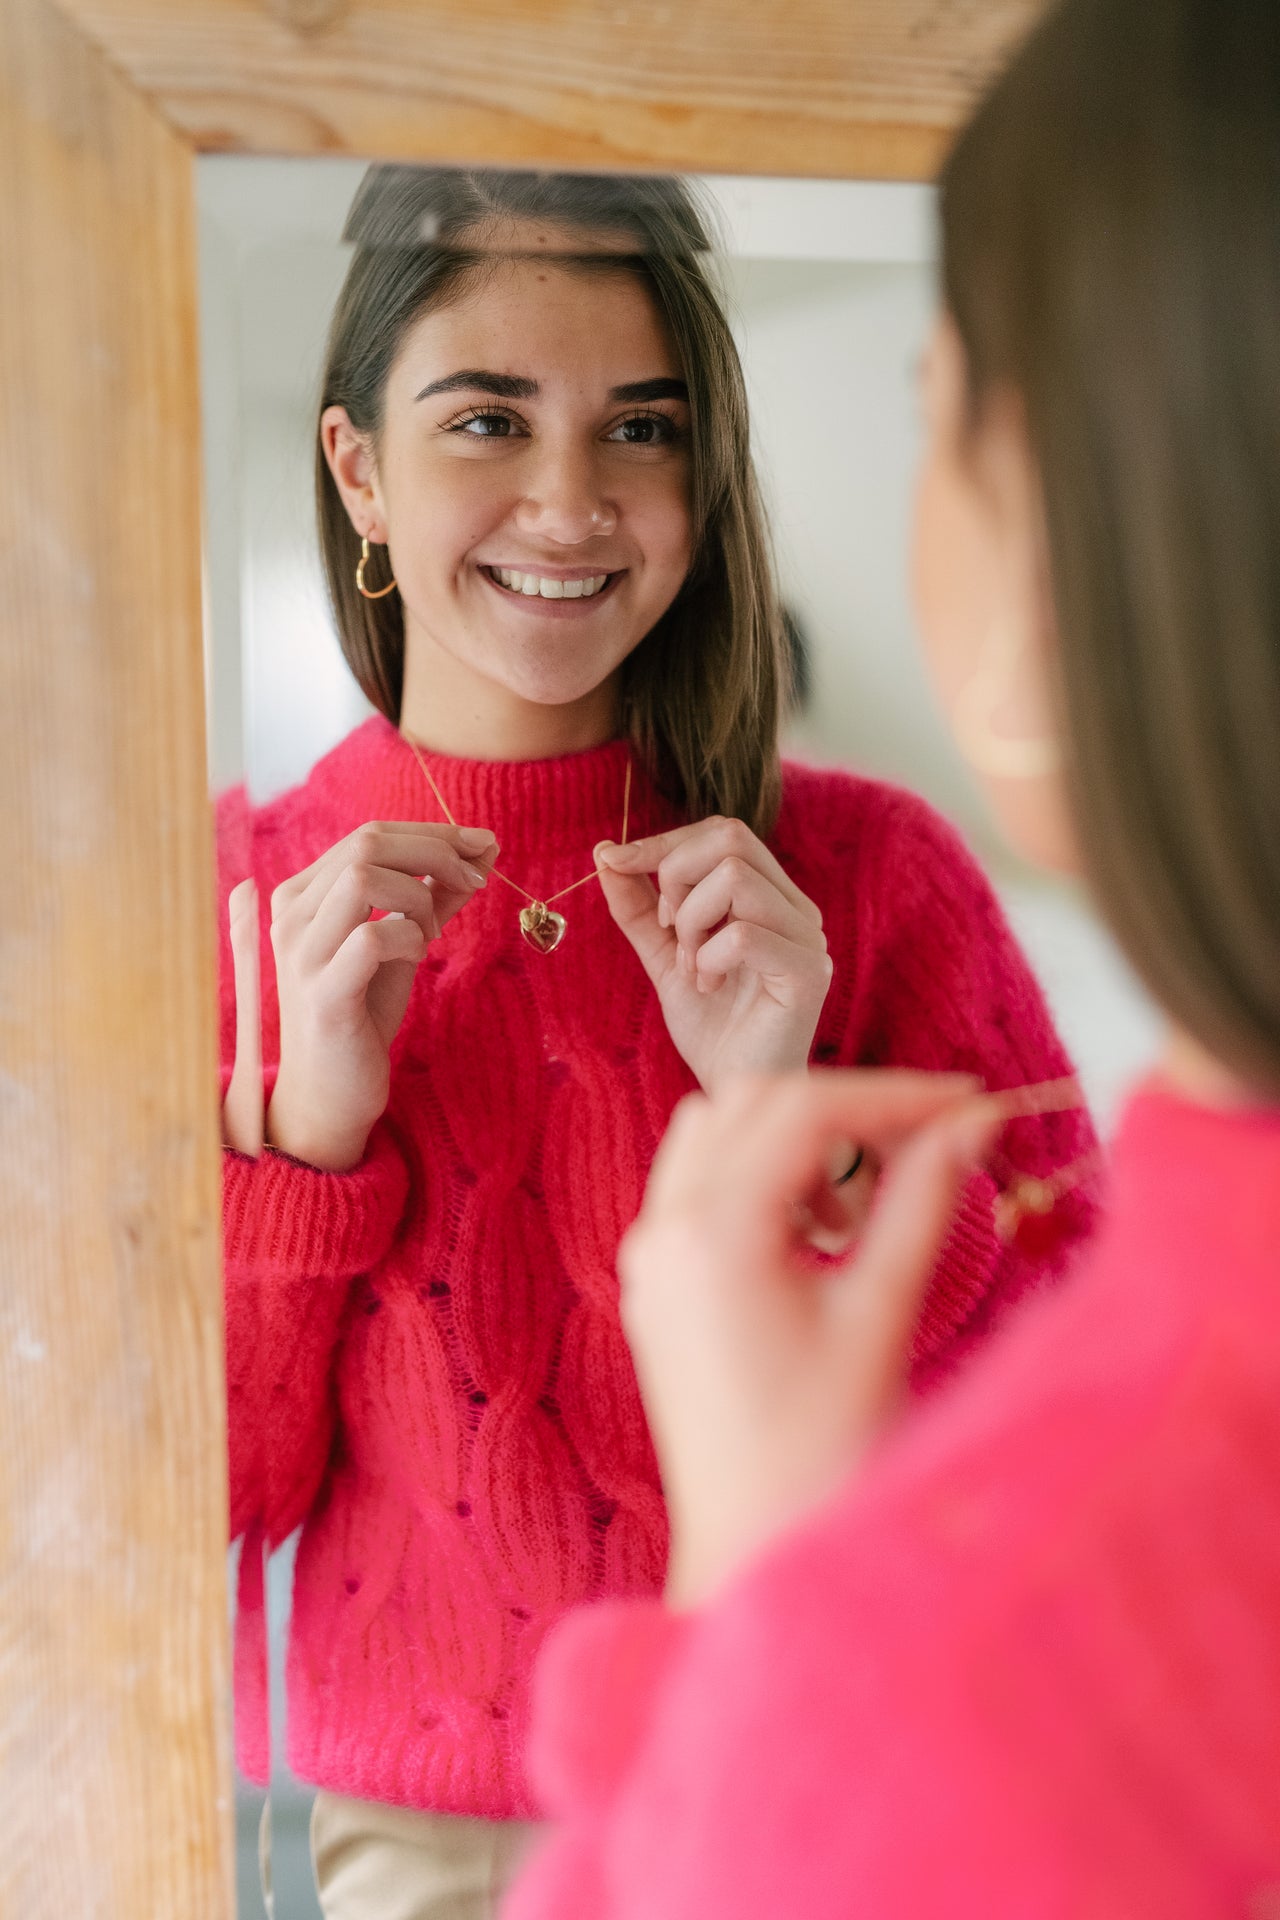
[
  {"x": 450, "y": 709},
  {"x": 1193, "y": 1071}
]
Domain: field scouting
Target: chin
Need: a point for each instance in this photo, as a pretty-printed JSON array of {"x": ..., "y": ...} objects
[
  {"x": 559, "y": 682},
  {"x": 552, "y": 692}
]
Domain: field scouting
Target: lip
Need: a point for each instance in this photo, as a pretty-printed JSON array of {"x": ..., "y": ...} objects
[
  {"x": 533, "y": 605},
  {"x": 546, "y": 573}
]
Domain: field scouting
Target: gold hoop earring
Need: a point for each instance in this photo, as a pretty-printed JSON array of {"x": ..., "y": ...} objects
[
  {"x": 370, "y": 593},
  {"x": 973, "y": 718}
]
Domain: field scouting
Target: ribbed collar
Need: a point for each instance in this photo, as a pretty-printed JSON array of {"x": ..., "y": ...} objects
[{"x": 537, "y": 808}]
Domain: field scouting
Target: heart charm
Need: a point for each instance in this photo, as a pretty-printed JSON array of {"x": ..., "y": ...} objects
[{"x": 541, "y": 927}]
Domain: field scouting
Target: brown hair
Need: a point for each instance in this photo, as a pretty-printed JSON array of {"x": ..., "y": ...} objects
[
  {"x": 701, "y": 694},
  {"x": 1111, "y": 251}
]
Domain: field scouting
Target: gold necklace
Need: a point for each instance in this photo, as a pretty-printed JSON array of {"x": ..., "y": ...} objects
[{"x": 540, "y": 927}]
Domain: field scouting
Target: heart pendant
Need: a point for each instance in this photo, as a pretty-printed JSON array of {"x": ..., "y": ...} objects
[{"x": 541, "y": 927}]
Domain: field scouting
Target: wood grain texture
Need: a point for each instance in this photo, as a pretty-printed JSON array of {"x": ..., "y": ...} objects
[
  {"x": 115, "y": 1772},
  {"x": 848, "y": 88}
]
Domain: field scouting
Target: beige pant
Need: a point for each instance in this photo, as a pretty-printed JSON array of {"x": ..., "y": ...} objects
[{"x": 385, "y": 1863}]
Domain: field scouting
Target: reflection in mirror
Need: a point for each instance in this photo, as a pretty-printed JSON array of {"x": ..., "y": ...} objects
[{"x": 553, "y": 605}]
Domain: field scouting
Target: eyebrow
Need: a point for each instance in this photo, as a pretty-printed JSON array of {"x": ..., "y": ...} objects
[
  {"x": 505, "y": 386},
  {"x": 516, "y": 386},
  {"x": 662, "y": 389}
]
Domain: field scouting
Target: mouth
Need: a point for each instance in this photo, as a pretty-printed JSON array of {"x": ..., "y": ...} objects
[{"x": 579, "y": 585}]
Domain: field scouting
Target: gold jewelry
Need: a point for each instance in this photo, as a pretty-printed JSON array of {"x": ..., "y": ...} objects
[
  {"x": 370, "y": 593},
  {"x": 1024, "y": 1208},
  {"x": 540, "y": 928}
]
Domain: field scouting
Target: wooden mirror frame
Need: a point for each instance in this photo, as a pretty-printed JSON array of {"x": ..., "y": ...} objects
[{"x": 115, "y": 1786}]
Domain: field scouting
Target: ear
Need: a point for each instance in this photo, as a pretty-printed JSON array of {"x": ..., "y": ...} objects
[{"x": 350, "y": 459}]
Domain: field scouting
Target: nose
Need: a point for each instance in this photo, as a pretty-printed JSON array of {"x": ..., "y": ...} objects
[{"x": 565, "y": 504}]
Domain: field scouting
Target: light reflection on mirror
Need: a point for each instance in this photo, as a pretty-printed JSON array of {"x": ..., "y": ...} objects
[{"x": 830, "y": 290}]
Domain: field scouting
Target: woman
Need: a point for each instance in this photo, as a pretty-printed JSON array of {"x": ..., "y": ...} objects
[
  {"x": 1021, "y": 1656},
  {"x": 533, "y": 424}
]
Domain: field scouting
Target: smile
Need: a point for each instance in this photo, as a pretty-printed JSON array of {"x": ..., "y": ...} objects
[{"x": 545, "y": 587}]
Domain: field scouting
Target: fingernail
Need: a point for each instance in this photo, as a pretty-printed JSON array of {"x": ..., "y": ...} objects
[
  {"x": 474, "y": 875},
  {"x": 475, "y": 840},
  {"x": 665, "y": 916}
]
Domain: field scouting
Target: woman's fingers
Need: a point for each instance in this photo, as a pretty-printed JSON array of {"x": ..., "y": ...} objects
[
  {"x": 792, "y": 972},
  {"x": 366, "y": 948},
  {"x": 766, "y": 1142},
  {"x": 403, "y": 847},
  {"x": 632, "y": 899},
  {"x": 875, "y": 1299},
  {"x": 358, "y": 891},
  {"x": 683, "y": 857},
  {"x": 737, "y": 890},
  {"x": 321, "y": 920}
]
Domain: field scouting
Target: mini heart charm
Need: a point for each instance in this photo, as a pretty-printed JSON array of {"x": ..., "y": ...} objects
[{"x": 541, "y": 927}]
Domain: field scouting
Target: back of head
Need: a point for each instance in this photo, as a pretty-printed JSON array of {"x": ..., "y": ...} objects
[{"x": 1111, "y": 243}]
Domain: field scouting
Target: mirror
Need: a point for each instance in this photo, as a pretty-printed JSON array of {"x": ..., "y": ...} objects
[{"x": 829, "y": 291}]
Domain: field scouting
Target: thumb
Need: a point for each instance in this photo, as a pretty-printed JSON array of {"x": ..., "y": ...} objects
[
  {"x": 878, "y": 1291},
  {"x": 632, "y": 899}
]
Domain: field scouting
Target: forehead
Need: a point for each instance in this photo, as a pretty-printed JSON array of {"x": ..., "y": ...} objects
[{"x": 556, "y": 322}]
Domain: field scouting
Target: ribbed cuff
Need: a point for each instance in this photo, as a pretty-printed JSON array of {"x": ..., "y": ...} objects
[{"x": 282, "y": 1216}]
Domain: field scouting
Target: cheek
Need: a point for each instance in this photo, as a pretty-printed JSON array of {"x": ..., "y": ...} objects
[
  {"x": 439, "y": 510},
  {"x": 662, "y": 522}
]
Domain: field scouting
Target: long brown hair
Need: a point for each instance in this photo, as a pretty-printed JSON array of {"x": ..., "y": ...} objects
[
  {"x": 702, "y": 693},
  {"x": 1111, "y": 251}
]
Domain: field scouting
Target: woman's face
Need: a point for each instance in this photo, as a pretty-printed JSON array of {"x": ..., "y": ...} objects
[
  {"x": 984, "y": 603},
  {"x": 532, "y": 474}
]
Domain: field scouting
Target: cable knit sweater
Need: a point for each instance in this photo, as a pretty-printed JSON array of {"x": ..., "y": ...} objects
[
  {"x": 1029, "y": 1664},
  {"x": 426, "y": 1366}
]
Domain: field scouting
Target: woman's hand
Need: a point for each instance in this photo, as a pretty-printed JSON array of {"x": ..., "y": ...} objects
[
  {"x": 734, "y": 949},
  {"x": 344, "y": 978},
  {"x": 764, "y": 1373}
]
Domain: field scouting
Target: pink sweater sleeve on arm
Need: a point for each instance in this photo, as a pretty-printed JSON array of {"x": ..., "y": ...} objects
[{"x": 294, "y": 1239}]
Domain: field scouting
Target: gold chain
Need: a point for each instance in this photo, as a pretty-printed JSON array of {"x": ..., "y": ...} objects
[{"x": 532, "y": 898}]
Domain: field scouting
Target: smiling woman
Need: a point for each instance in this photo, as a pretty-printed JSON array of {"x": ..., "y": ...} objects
[
  {"x": 555, "y": 492},
  {"x": 533, "y": 403},
  {"x": 615, "y": 441}
]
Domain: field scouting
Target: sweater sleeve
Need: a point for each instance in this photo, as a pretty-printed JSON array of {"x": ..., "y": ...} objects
[
  {"x": 929, "y": 975},
  {"x": 1028, "y": 1665},
  {"x": 294, "y": 1240}
]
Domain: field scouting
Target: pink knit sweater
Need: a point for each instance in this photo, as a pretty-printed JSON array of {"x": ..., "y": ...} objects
[
  {"x": 1029, "y": 1664},
  {"x": 426, "y": 1367}
]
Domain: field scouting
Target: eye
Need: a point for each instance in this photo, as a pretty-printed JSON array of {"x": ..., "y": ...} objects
[
  {"x": 486, "y": 423},
  {"x": 645, "y": 430}
]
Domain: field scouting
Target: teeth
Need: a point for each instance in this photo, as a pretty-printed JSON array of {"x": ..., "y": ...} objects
[{"x": 534, "y": 585}]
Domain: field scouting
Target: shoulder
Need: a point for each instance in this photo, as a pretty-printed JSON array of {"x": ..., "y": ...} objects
[
  {"x": 842, "y": 834},
  {"x": 280, "y": 835}
]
